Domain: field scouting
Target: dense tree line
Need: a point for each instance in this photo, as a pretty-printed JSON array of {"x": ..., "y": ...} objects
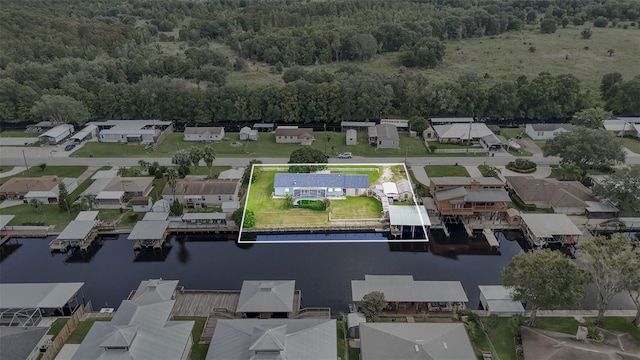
[{"x": 106, "y": 58}]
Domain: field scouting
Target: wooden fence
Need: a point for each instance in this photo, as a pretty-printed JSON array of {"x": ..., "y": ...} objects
[{"x": 63, "y": 335}]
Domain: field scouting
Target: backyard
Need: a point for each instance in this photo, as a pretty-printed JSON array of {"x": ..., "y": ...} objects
[{"x": 356, "y": 208}]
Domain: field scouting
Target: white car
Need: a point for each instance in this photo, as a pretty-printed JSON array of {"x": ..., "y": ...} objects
[{"x": 346, "y": 155}]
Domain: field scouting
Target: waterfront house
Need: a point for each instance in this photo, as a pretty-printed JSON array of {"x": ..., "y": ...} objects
[
  {"x": 132, "y": 131},
  {"x": 247, "y": 134},
  {"x": 58, "y": 134},
  {"x": 319, "y": 186},
  {"x": 44, "y": 188},
  {"x": 546, "y": 131},
  {"x": 110, "y": 199},
  {"x": 545, "y": 229},
  {"x": 497, "y": 299},
  {"x": 203, "y": 134},
  {"x": 25, "y": 304},
  {"x": 432, "y": 341},
  {"x": 131, "y": 186},
  {"x": 384, "y": 136},
  {"x": 141, "y": 328},
  {"x": 141, "y": 203},
  {"x": 291, "y": 339},
  {"x": 22, "y": 342},
  {"x": 407, "y": 296},
  {"x": 294, "y": 135},
  {"x": 478, "y": 197},
  {"x": 563, "y": 197},
  {"x": 200, "y": 193},
  {"x": 265, "y": 299}
]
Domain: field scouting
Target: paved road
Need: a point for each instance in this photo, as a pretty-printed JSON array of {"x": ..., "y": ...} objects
[{"x": 54, "y": 156}]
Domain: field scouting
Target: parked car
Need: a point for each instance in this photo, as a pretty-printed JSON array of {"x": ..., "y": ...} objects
[
  {"x": 69, "y": 147},
  {"x": 346, "y": 155}
]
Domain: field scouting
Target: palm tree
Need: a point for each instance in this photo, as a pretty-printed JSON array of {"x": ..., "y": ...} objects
[
  {"x": 171, "y": 175},
  {"x": 89, "y": 200},
  {"x": 195, "y": 155},
  {"x": 209, "y": 155},
  {"x": 570, "y": 172},
  {"x": 37, "y": 204}
]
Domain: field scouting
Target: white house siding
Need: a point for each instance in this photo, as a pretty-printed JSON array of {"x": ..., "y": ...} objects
[
  {"x": 201, "y": 137},
  {"x": 543, "y": 135},
  {"x": 112, "y": 137},
  {"x": 569, "y": 210},
  {"x": 141, "y": 208},
  {"x": 288, "y": 139},
  {"x": 388, "y": 144}
]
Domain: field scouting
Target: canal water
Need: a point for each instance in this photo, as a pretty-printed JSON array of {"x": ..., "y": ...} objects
[{"x": 323, "y": 272}]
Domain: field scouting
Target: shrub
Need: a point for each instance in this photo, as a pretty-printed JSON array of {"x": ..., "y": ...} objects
[
  {"x": 593, "y": 332},
  {"x": 601, "y": 22},
  {"x": 522, "y": 166},
  {"x": 488, "y": 170},
  {"x": 313, "y": 205}
]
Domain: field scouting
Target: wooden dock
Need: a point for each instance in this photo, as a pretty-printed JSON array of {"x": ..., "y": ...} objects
[{"x": 204, "y": 302}]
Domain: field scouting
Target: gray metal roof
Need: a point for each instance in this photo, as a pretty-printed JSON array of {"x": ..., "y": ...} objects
[
  {"x": 17, "y": 342},
  {"x": 204, "y": 216},
  {"x": 344, "y": 181},
  {"x": 151, "y": 216},
  {"x": 266, "y": 296},
  {"x": 451, "y": 120},
  {"x": 488, "y": 195},
  {"x": 77, "y": 230},
  {"x": 358, "y": 123},
  {"x": 87, "y": 215},
  {"x": 505, "y": 306},
  {"x": 419, "y": 341},
  {"x": 548, "y": 225},
  {"x": 600, "y": 206},
  {"x": 387, "y": 132},
  {"x": 551, "y": 127},
  {"x": 308, "y": 339},
  {"x": 263, "y": 126},
  {"x": 462, "y": 180},
  {"x": 410, "y": 215},
  {"x": 462, "y": 131},
  {"x": 155, "y": 290},
  {"x": 149, "y": 230},
  {"x": 130, "y": 124},
  {"x": 451, "y": 193},
  {"x": 37, "y": 295},
  {"x": 5, "y": 219},
  {"x": 231, "y": 174},
  {"x": 354, "y": 319},
  {"x": 405, "y": 289},
  {"x": 80, "y": 135},
  {"x": 58, "y": 130},
  {"x": 495, "y": 292}
]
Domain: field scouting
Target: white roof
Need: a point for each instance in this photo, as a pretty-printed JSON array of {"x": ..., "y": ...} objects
[
  {"x": 451, "y": 120},
  {"x": 154, "y": 290},
  {"x": 110, "y": 195},
  {"x": 84, "y": 132},
  {"x": 58, "y": 130},
  {"x": 5, "y": 219},
  {"x": 405, "y": 289},
  {"x": 410, "y": 215},
  {"x": 149, "y": 229},
  {"x": 87, "y": 215},
  {"x": 309, "y": 339},
  {"x": 37, "y": 295},
  {"x": 548, "y": 225},
  {"x": 499, "y": 299},
  {"x": 231, "y": 174},
  {"x": 130, "y": 124},
  {"x": 77, "y": 230},
  {"x": 355, "y": 318},
  {"x": 495, "y": 292},
  {"x": 97, "y": 186},
  {"x": 41, "y": 194},
  {"x": 389, "y": 188},
  {"x": 462, "y": 131},
  {"x": 617, "y": 125},
  {"x": 266, "y": 296}
]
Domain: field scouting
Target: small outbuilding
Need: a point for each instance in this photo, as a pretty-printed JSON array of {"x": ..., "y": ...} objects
[
  {"x": 498, "y": 299},
  {"x": 353, "y": 324},
  {"x": 248, "y": 135},
  {"x": 58, "y": 134}
]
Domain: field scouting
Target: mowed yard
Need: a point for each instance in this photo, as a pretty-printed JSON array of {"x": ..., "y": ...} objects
[{"x": 272, "y": 212}]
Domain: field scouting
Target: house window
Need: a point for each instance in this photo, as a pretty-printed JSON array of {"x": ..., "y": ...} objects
[
  {"x": 219, "y": 197},
  {"x": 540, "y": 133},
  {"x": 230, "y": 197}
]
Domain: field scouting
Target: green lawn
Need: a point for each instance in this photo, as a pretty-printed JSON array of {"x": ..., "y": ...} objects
[
  {"x": 18, "y": 134},
  {"x": 82, "y": 329},
  {"x": 518, "y": 152},
  {"x": 50, "y": 215},
  {"x": 356, "y": 208},
  {"x": 478, "y": 340},
  {"x": 100, "y": 149},
  {"x": 61, "y": 171},
  {"x": 569, "y": 325},
  {"x": 622, "y": 324},
  {"x": 57, "y": 326},
  {"x": 511, "y": 133},
  {"x": 198, "y": 351},
  {"x": 631, "y": 144},
  {"x": 501, "y": 336},
  {"x": 5, "y": 168},
  {"x": 446, "y": 170}
]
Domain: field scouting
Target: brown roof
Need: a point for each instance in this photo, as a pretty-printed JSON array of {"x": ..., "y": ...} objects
[
  {"x": 203, "y": 130},
  {"x": 294, "y": 132},
  {"x": 26, "y": 184},
  {"x": 140, "y": 200},
  {"x": 202, "y": 187},
  {"x": 557, "y": 193}
]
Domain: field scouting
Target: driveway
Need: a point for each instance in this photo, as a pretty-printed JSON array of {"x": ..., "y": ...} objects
[
  {"x": 420, "y": 175},
  {"x": 529, "y": 146}
]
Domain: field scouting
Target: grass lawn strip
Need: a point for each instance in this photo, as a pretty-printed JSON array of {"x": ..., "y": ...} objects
[
  {"x": 446, "y": 170},
  {"x": 632, "y": 144},
  {"x": 501, "y": 336},
  {"x": 198, "y": 351},
  {"x": 356, "y": 208},
  {"x": 50, "y": 215},
  {"x": 57, "y": 326},
  {"x": 18, "y": 134},
  {"x": 82, "y": 329}
]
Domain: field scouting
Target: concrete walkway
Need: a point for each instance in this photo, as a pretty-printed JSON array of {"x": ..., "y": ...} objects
[
  {"x": 15, "y": 170},
  {"x": 9, "y": 203},
  {"x": 420, "y": 175},
  {"x": 473, "y": 171}
]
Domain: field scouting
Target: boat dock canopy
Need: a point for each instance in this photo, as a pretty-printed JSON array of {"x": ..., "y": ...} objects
[
  {"x": 404, "y": 288},
  {"x": 550, "y": 225},
  {"x": 37, "y": 295},
  {"x": 149, "y": 230},
  {"x": 409, "y": 215},
  {"x": 5, "y": 219}
]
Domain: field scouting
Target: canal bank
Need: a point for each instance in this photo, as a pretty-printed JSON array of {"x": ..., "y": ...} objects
[{"x": 322, "y": 271}]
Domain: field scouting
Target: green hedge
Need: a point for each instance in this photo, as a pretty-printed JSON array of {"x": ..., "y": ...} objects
[{"x": 521, "y": 171}]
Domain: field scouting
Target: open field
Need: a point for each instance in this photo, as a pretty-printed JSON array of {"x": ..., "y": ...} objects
[
  {"x": 100, "y": 149},
  {"x": 506, "y": 57},
  {"x": 446, "y": 170},
  {"x": 356, "y": 208}
]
